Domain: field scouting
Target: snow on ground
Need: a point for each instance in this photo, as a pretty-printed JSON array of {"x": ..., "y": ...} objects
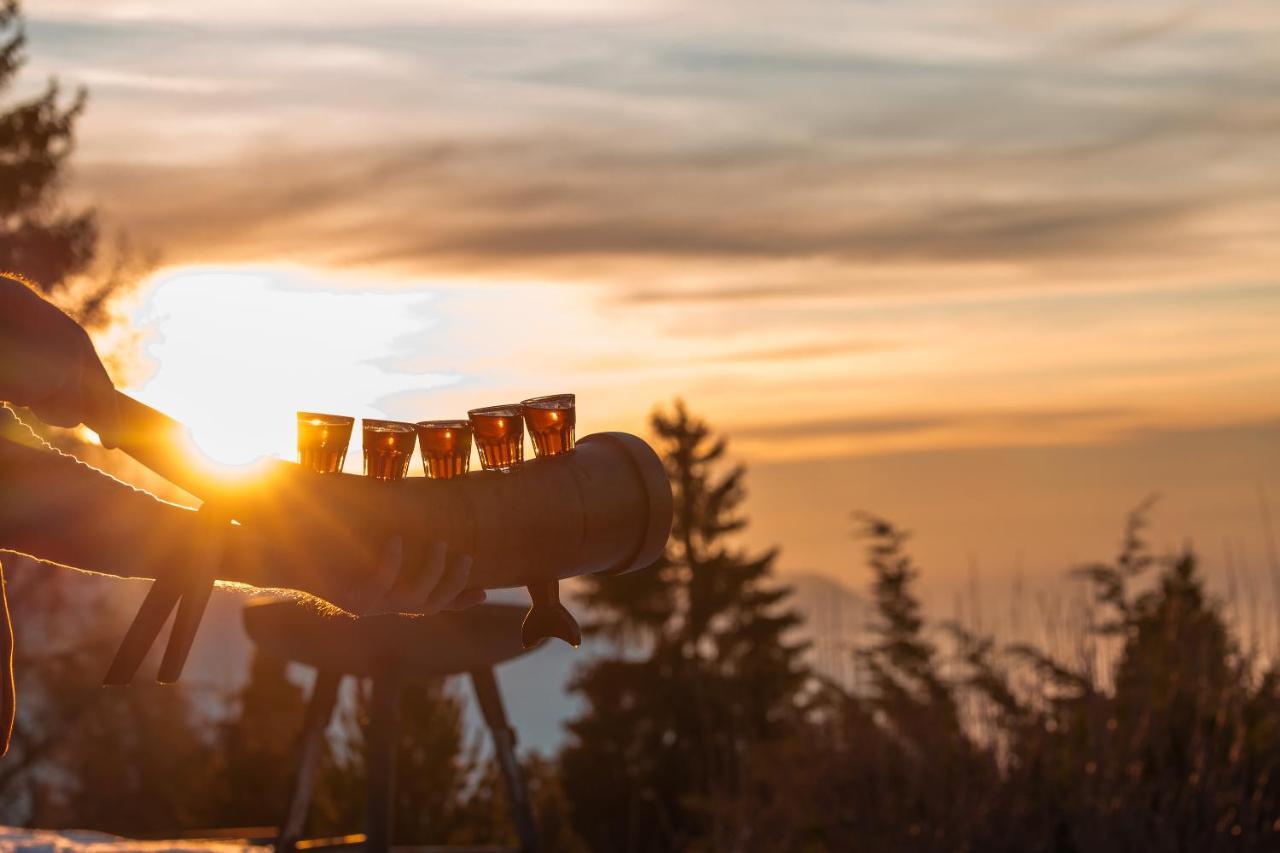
[{"x": 16, "y": 840}]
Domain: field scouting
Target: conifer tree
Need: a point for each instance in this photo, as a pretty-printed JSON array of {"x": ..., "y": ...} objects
[
  {"x": 129, "y": 760},
  {"x": 257, "y": 748},
  {"x": 433, "y": 767},
  {"x": 703, "y": 670},
  {"x": 39, "y": 238},
  {"x": 909, "y": 691}
]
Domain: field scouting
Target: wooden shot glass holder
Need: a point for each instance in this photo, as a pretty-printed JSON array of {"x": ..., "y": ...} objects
[{"x": 604, "y": 508}]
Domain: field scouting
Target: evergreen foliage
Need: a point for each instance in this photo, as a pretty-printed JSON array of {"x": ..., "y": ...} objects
[
  {"x": 135, "y": 760},
  {"x": 256, "y": 748},
  {"x": 39, "y": 238},
  {"x": 710, "y": 673},
  {"x": 1180, "y": 752}
]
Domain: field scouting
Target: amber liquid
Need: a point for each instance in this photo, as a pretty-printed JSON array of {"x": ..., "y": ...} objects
[
  {"x": 323, "y": 460},
  {"x": 551, "y": 427},
  {"x": 499, "y": 438},
  {"x": 446, "y": 449},
  {"x": 441, "y": 467},
  {"x": 387, "y": 452},
  {"x": 322, "y": 443}
]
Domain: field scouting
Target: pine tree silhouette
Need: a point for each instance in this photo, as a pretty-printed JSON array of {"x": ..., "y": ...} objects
[
  {"x": 39, "y": 238},
  {"x": 703, "y": 670}
]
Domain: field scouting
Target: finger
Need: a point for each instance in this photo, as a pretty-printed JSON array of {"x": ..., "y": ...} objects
[
  {"x": 60, "y": 405},
  {"x": 451, "y": 585},
  {"x": 379, "y": 585},
  {"x": 102, "y": 411},
  {"x": 412, "y": 590},
  {"x": 467, "y": 598}
]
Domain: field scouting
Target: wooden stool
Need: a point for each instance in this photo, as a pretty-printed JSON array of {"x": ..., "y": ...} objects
[{"x": 390, "y": 650}]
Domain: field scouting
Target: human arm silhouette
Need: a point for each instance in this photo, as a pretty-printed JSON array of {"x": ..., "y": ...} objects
[{"x": 55, "y": 508}]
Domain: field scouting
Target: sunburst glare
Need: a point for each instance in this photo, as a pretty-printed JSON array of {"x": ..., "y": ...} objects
[{"x": 235, "y": 353}]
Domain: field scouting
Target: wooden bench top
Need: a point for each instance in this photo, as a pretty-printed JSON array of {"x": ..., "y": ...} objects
[{"x": 407, "y": 646}]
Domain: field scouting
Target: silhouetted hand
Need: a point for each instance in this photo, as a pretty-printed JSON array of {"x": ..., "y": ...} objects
[
  {"x": 432, "y": 582},
  {"x": 49, "y": 365}
]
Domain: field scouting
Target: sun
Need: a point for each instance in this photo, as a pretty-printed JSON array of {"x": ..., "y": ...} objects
[{"x": 234, "y": 354}]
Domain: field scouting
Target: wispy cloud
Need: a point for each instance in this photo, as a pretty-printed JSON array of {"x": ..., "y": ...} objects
[
  {"x": 876, "y": 426},
  {"x": 105, "y": 78},
  {"x": 586, "y": 153},
  {"x": 862, "y": 132},
  {"x": 909, "y": 224},
  {"x": 559, "y": 195}
]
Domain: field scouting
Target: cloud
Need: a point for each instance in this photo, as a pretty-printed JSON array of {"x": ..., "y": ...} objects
[
  {"x": 991, "y": 421},
  {"x": 745, "y": 292},
  {"x": 100, "y": 78},
  {"x": 325, "y": 12},
  {"x": 773, "y": 355},
  {"x": 595, "y": 206},
  {"x": 858, "y": 426},
  {"x": 717, "y": 157}
]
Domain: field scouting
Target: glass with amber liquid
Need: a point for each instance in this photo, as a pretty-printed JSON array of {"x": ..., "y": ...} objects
[
  {"x": 387, "y": 448},
  {"x": 323, "y": 441},
  {"x": 550, "y": 421},
  {"x": 446, "y": 448},
  {"x": 499, "y": 435}
]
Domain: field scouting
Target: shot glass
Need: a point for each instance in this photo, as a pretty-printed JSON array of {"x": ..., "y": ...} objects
[
  {"x": 499, "y": 435},
  {"x": 387, "y": 448},
  {"x": 323, "y": 441},
  {"x": 550, "y": 421},
  {"x": 446, "y": 448}
]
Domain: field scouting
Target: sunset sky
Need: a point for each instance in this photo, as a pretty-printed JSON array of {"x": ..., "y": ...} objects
[{"x": 998, "y": 269}]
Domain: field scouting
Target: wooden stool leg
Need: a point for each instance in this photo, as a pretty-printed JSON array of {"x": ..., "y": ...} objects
[
  {"x": 324, "y": 695},
  {"x": 381, "y": 739},
  {"x": 191, "y": 607},
  {"x": 504, "y": 750},
  {"x": 195, "y": 598},
  {"x": 146, "y": 626}
]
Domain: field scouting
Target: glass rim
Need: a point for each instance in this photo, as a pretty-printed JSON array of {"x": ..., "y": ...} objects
[
  {"x": 455, "y": 423},
  {"x": 543, "y": 401},
  {"x": 506, "y": 410},
  {"x": 381, "y": 425},
  {"x": 326, "y": 419}
]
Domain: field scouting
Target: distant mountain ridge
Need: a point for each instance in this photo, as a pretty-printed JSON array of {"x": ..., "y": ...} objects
[{"x": 835, "y": 621}]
